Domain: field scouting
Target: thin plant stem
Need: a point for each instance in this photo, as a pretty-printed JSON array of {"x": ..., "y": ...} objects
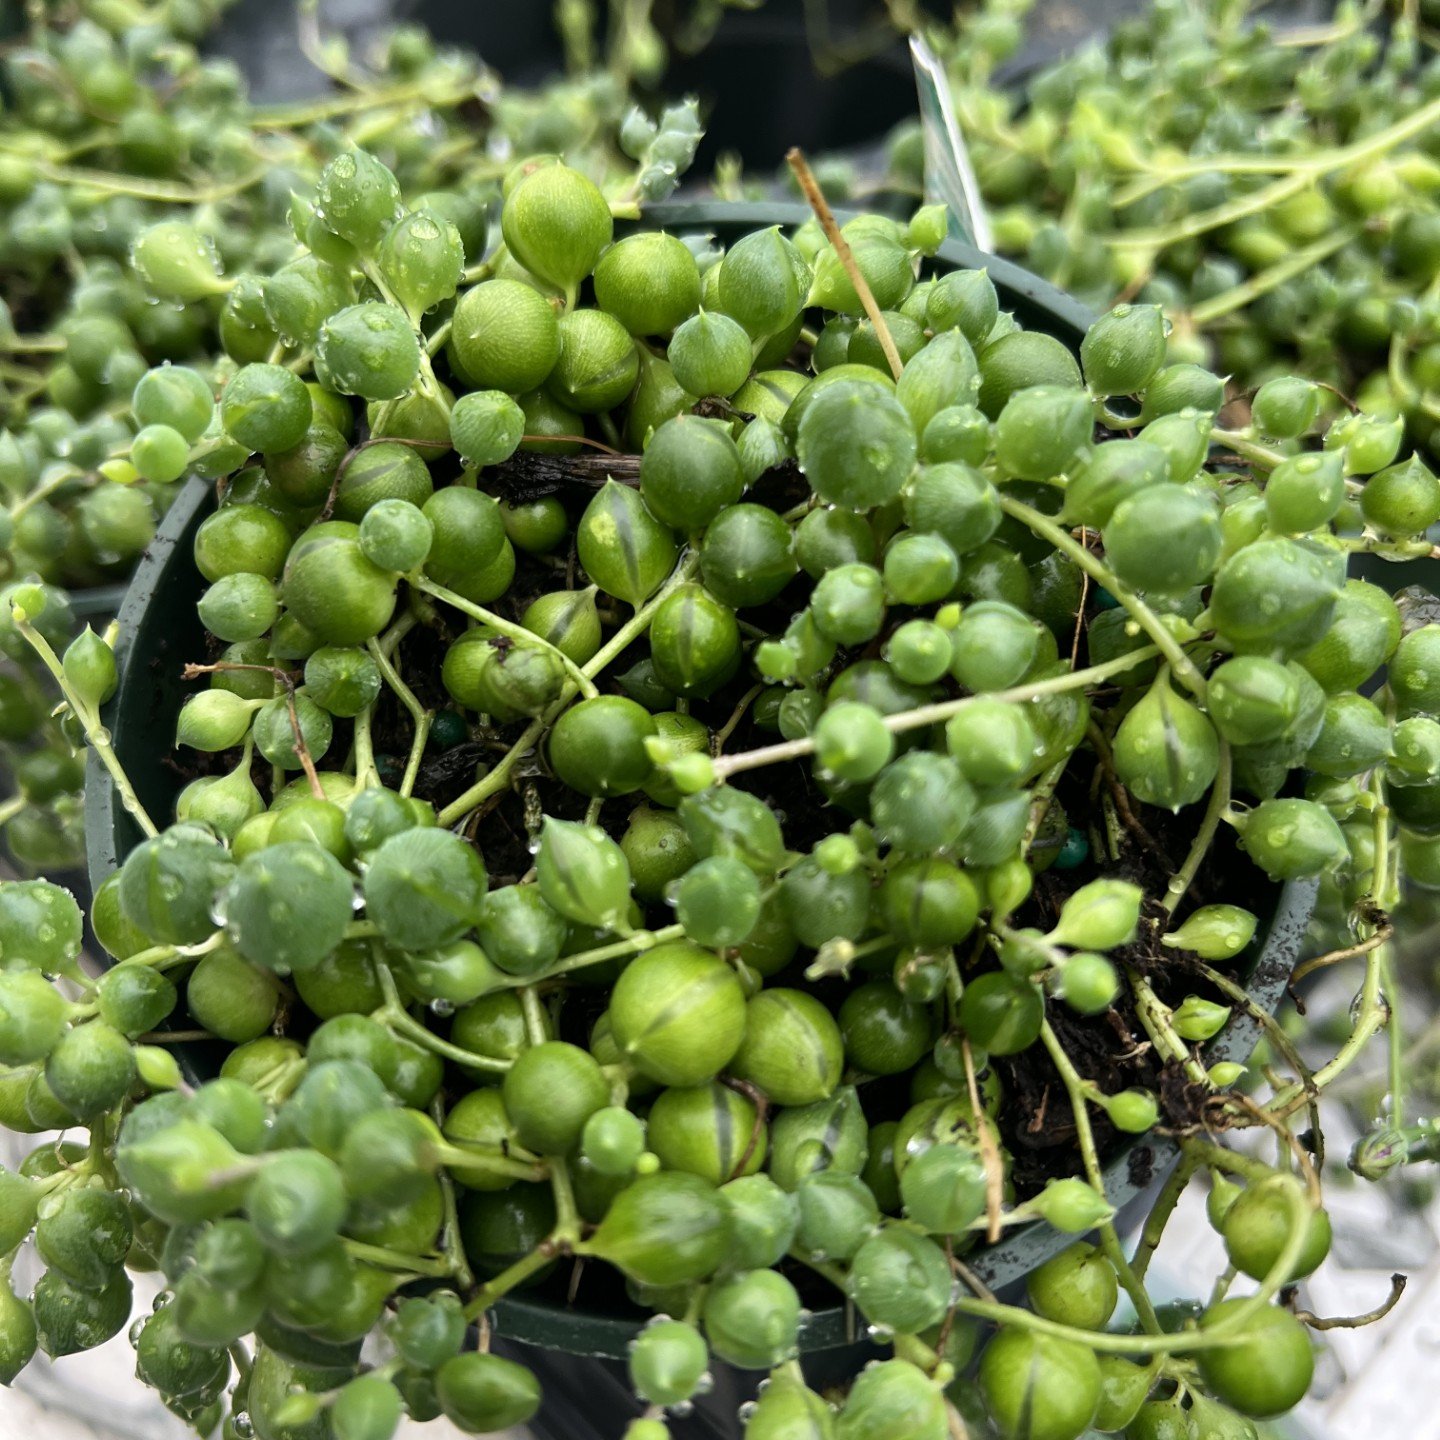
[
  {"x": 508, "y": 1279},
  {"x": 1160, "y": 1213},
  {"x": 1347, "y": 952},
  {"x": 1275, "y": 1033},
  {"x": 1043, "y": 526},
  {"x": 810, "y": 188},
  {"x": 1215, "y": 809},
  {"x": 96, "y": 734},
  {"x": 419, "y": 715},
  {"x": 1085, "y": 1137},
  {"x": 935, "y": 714},
  {"x": 43, "y": 491},
  {"x": 641, "y": 940},
  {"x": 537, "y": 1028},
  {"x": 1373, "y": 1012},
  {"x": 508, "y": 628},
  {"x": 499, "y": 777},
  {"x": 1261, "y": 283},
  {"x": 334, "y": 107},
  {"x": 365, "y": 770},
  {"x": 160, "y": 190},
  {"x": 1341, "y": 158},
  {"x": 386, "y": 1259},
  {"x": 1155, "y": 1018},
  {"x": 1247, "y": 448},
  {"x": 394, "y": 1014}
]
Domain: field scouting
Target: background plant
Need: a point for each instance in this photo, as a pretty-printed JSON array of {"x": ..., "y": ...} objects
[
  {"x": 115, "y": 127},
  {"x": 1272, "y": 186}
]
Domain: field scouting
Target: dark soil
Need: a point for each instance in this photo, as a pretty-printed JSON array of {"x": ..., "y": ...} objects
[
  {"x": 1111, "y": 1049},
  {"x": 1036, "y": 1122}
]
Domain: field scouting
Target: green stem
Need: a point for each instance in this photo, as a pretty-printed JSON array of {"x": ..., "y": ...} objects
[
  {"x": 639, "y": 941},
  {"x": 1415, "y": 123},
  {"x": 1157, "y": 178},
  {"x": 1215, "y": 809},
  {"x": 1155, "y": 1017},
  {"x": 1075, "y": 1087},
  {"x": 310, "y": 112},
  {"x": 407, "y": 1025},
  {"x": 1247, "y": 448},
  {"x": 567, "y": 1213},
  {"x": 1097, "y": 570},
  {"x": 160, "y": 190},
  {"x": 65, "y": 476},
  {"x": 95, "y": 733},
  {"x": 537, "y": 1028},
  {"x": 499, "y": 778},
  {"x": 1274, "y": 1031},
  {"x": 1160, "y": 1213},
  {"x": 11, "y": 808},
  {"x": 917, "y": 1352},
  {"x": 243, "y": 1364},
  {"x": 450, "y": 1241},
  {"x": 507, "y": 628},
  {"x": 365, "y": 771},
  {"x": 507, "y": 1280},
  {"x": 489, "y": 1160},
  {"x": 1261, "y": 283},
  {"x": 1417, "y": 549},
  {"x": 419, "y": 715},
  {"x": 387, "y": 1259},
  {"x": 394, "y": 1014},
  {"x": 942, "y": 710},
  {"x": 33, "y": 345},
  {"x": 1206, "y": 1152}
]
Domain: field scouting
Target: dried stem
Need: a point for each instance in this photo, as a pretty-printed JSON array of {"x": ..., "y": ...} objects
[
  {"x": 1355, "y": 1322},
  {"x": 1334, "y": 957},
  {"x": 816, "y": 198},
  {"x": 989, "y": 1150}
]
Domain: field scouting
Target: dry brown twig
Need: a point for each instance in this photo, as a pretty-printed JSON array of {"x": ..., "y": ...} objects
[
  {"x": 810, "y": 187},
  {"x": 989, "y": 1149},
  {"x": 1355, "y": 1322}
]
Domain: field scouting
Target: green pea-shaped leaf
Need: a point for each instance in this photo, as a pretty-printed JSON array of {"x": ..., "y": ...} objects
[
  {"x": 424, "y": 888},
  {"x": 583, "y": 874},
  {"x": 856, "y": 444},
  {"x": 625, "y": 550},
  {"x": 943, "y": 374},
  {"x": 666, "y": 1229},
  {"x": 288, "y": 906},
  {"x": 1166, "y": 751}
]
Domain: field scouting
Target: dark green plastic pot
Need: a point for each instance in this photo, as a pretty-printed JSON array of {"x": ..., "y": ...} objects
[{"x": 160, "y": 632}]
